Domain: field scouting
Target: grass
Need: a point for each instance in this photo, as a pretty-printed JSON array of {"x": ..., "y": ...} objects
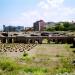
[
  {"x": 45, "y": 59},
  {"x": 66, "y": 66},
  {"x": 8, "y": 66},
  {"x": 35, "y": 69}
]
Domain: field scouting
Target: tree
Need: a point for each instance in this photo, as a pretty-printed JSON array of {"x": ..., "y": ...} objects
[
  {"x": 50, "y": 29},
  {"x": 66, "y": 26},
  {"x": 59, "y": 27},
  {"x": 62, "y": 26}
]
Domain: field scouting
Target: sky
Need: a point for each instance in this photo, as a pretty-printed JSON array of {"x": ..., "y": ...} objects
[{"x": 26, "y": 12}]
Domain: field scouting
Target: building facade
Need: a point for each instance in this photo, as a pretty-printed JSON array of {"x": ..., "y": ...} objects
[
  {"x": 12, "y": 28},
  {"x": 39, "y": 25}
]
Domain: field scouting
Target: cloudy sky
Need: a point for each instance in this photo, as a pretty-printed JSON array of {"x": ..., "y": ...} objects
[{"x": 25, "y": 12}]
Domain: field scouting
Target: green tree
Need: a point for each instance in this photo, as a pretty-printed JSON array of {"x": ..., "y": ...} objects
[
  {"x": 66, "y": 26},
  {"x": 59, "y": 27},
  {"x": 50, "y": 29}
]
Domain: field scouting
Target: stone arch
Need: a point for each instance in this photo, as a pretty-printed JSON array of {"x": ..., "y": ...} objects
[
  {"x": 74, "y": 42},
  {"x": 36, "y": 41},
  {"x": 30, "y": 41},
  {"x": 51, "y": 40},
  {"x": 10, "y": 40},
  {"x": 69, "y": 40},
  {"x": 45, "y": 40},
  {"x": 3, "y": 40}
]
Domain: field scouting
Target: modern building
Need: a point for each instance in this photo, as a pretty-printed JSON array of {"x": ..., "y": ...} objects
[
  {"x": 12, "y": 28},
  {"x": 19, "y": 28},
  {"x": 39, "y": 25}
]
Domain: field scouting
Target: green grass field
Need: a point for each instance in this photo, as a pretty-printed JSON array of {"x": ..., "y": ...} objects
[{"x": 43, "y": 59}]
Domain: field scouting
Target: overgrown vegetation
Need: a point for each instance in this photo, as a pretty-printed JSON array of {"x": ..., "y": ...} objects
[
  {"x": 67, "y": 66},
  {"x": 25, "y": 54},
  {"x": 8, "y": 65},
  {"x": 48, "y": 59},
  {"x": 62, "y": 26}
]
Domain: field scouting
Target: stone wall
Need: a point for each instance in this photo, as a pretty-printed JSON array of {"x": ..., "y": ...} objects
[{"x": 36, "y": 39}]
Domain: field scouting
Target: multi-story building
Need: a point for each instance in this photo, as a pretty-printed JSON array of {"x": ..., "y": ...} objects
[
  {"x": 39, "y": 25},
  {"x": 12, "y": 28}
]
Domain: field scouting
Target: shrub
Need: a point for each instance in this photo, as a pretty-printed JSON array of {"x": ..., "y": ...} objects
[
  {"x": 25, "y": 54},
  {"x": 8, "y": 65},
  {"x": 66, "y": 66},
  {"x": 35, "y": 70},
  {"x": 63, "y": 70}
]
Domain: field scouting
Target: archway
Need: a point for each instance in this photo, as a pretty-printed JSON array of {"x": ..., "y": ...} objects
[
  {"x": 29, "y": 40},
  {"x": 10, "y": 40},
  {"x": 36, "y": 41},
  {"x": 3, "y": 40},
  {"x": 45, "y": 41}
]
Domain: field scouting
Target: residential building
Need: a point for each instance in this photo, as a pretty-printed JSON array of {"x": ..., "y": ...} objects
[{"x": 39, "y": 25}]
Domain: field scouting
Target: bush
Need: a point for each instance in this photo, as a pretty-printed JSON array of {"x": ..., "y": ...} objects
[
  {"x": 35, "y": 70},
  {"x": 66, "y": 66},
  {"x": 25, "y": 54},
  {"x": 8, "y": 65},
  {"x": 63, "y": 70}
]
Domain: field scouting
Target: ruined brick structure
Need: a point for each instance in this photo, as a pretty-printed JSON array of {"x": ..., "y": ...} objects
[{"x": 38, "y": 39}]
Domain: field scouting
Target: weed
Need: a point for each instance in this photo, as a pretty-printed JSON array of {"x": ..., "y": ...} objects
[
  {"x": 25, "y": 54},
  {"x": 35, "y": 70},
  {"x": 8, "y": 65}
]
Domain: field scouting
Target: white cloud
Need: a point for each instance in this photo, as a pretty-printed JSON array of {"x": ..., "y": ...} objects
[
  {"x": 55, "y": 3},
  {"x": 50, "y": 3},
  {"x": 48, "y": 10},
  {"x": 43, "y": 5},
  {"x": 31, "y": 16}
]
